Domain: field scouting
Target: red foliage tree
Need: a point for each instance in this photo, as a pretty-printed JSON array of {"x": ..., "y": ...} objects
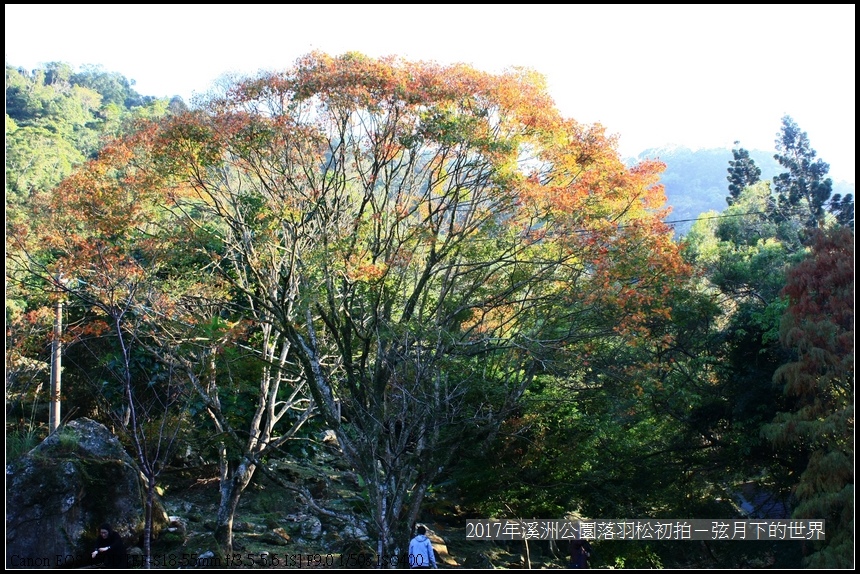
[{"x": 819, "y": 327}]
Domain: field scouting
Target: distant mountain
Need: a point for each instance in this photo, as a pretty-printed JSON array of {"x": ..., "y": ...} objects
[{"x": 695, "y": 181}]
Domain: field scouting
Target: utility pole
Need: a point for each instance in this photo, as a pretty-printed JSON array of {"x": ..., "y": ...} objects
[{"x": 56, "y": 352}]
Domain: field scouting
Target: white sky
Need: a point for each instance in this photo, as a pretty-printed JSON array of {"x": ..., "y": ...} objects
[{"x": 656, "y": 75}]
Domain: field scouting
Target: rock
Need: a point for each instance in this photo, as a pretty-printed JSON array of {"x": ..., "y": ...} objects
[
  {"x": 282, "y": 533},
  {"x": 240, "y": 526},
  {"x": 328, "y": 436},
  {"x": 441, "y": 549},
  {"x": 355, "y": 531},
  {"x": 311, "y": 528},
  {"x": 478, "y": 560},
  {"x": 206, "y": 560},
  {"x": 275, "y": 538},
  {"x": 59, "y": 493}
]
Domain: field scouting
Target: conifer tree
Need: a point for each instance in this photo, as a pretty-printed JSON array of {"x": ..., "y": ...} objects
[
  {"x": 818, "y": 327},
  {"x": 804, "y": 186},
  {"x": 743, "y": 172}
]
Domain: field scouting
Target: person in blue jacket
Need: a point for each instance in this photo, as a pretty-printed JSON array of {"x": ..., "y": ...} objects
[{"x": 421, "y": 551}]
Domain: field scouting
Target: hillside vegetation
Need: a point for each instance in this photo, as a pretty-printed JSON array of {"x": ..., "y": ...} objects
[{"x": 476, "y": 299}]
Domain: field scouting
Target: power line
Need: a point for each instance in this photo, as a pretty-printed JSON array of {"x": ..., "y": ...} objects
[{"x": 721, "y": 216}]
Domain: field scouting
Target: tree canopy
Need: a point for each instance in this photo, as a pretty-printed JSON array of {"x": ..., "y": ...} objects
[
  {"x": 426, "y": 239},
  {"x": 463, "y": 285}
]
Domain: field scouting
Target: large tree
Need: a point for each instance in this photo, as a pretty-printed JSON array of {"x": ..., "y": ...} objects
[
  {"x": 107, "y": 227},
  {"x": 420, "y": 242},
  {"x": 743, "y": 172},
  {"x": 804, "y": 190},
  {"x": 98, "y": 247},
  {"x": 743, "y": 256},
  {"x": 54, "y": 121},
  {"x": 818, "y": 327}
]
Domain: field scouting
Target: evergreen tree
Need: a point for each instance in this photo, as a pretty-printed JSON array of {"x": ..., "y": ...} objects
[
  {"x": 743, "y": 172},
  {"x": 843, "y": 209},
  {"x": 818, "y": 431},
  {"x": 804, "y": 186}
]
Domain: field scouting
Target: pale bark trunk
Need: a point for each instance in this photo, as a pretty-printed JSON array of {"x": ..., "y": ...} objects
[{"x": 231, "y": 492}]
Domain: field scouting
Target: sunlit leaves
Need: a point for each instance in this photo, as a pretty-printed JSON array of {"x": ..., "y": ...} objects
[{"x": 425, "y": 239}]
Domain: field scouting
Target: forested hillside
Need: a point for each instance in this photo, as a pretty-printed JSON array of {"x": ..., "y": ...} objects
[
  {"x": 475, "y": 296},
  {"x": 696, "y": 180}
]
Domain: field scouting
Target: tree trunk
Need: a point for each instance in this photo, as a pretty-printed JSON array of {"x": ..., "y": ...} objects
[
  {"x": 231, "y": 491},
  {"x": 56, "y": 370},
  {"x": 528, "y": 558},
  {"x": 147, "y": 523}
]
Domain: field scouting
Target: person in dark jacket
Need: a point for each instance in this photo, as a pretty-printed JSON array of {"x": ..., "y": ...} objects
[
  {"x": 110, "y": 550},
  {"x": 580, "y": 551}
]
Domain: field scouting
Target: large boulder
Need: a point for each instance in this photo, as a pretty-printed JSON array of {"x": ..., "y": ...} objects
[{"x": 59, "y": 493}]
